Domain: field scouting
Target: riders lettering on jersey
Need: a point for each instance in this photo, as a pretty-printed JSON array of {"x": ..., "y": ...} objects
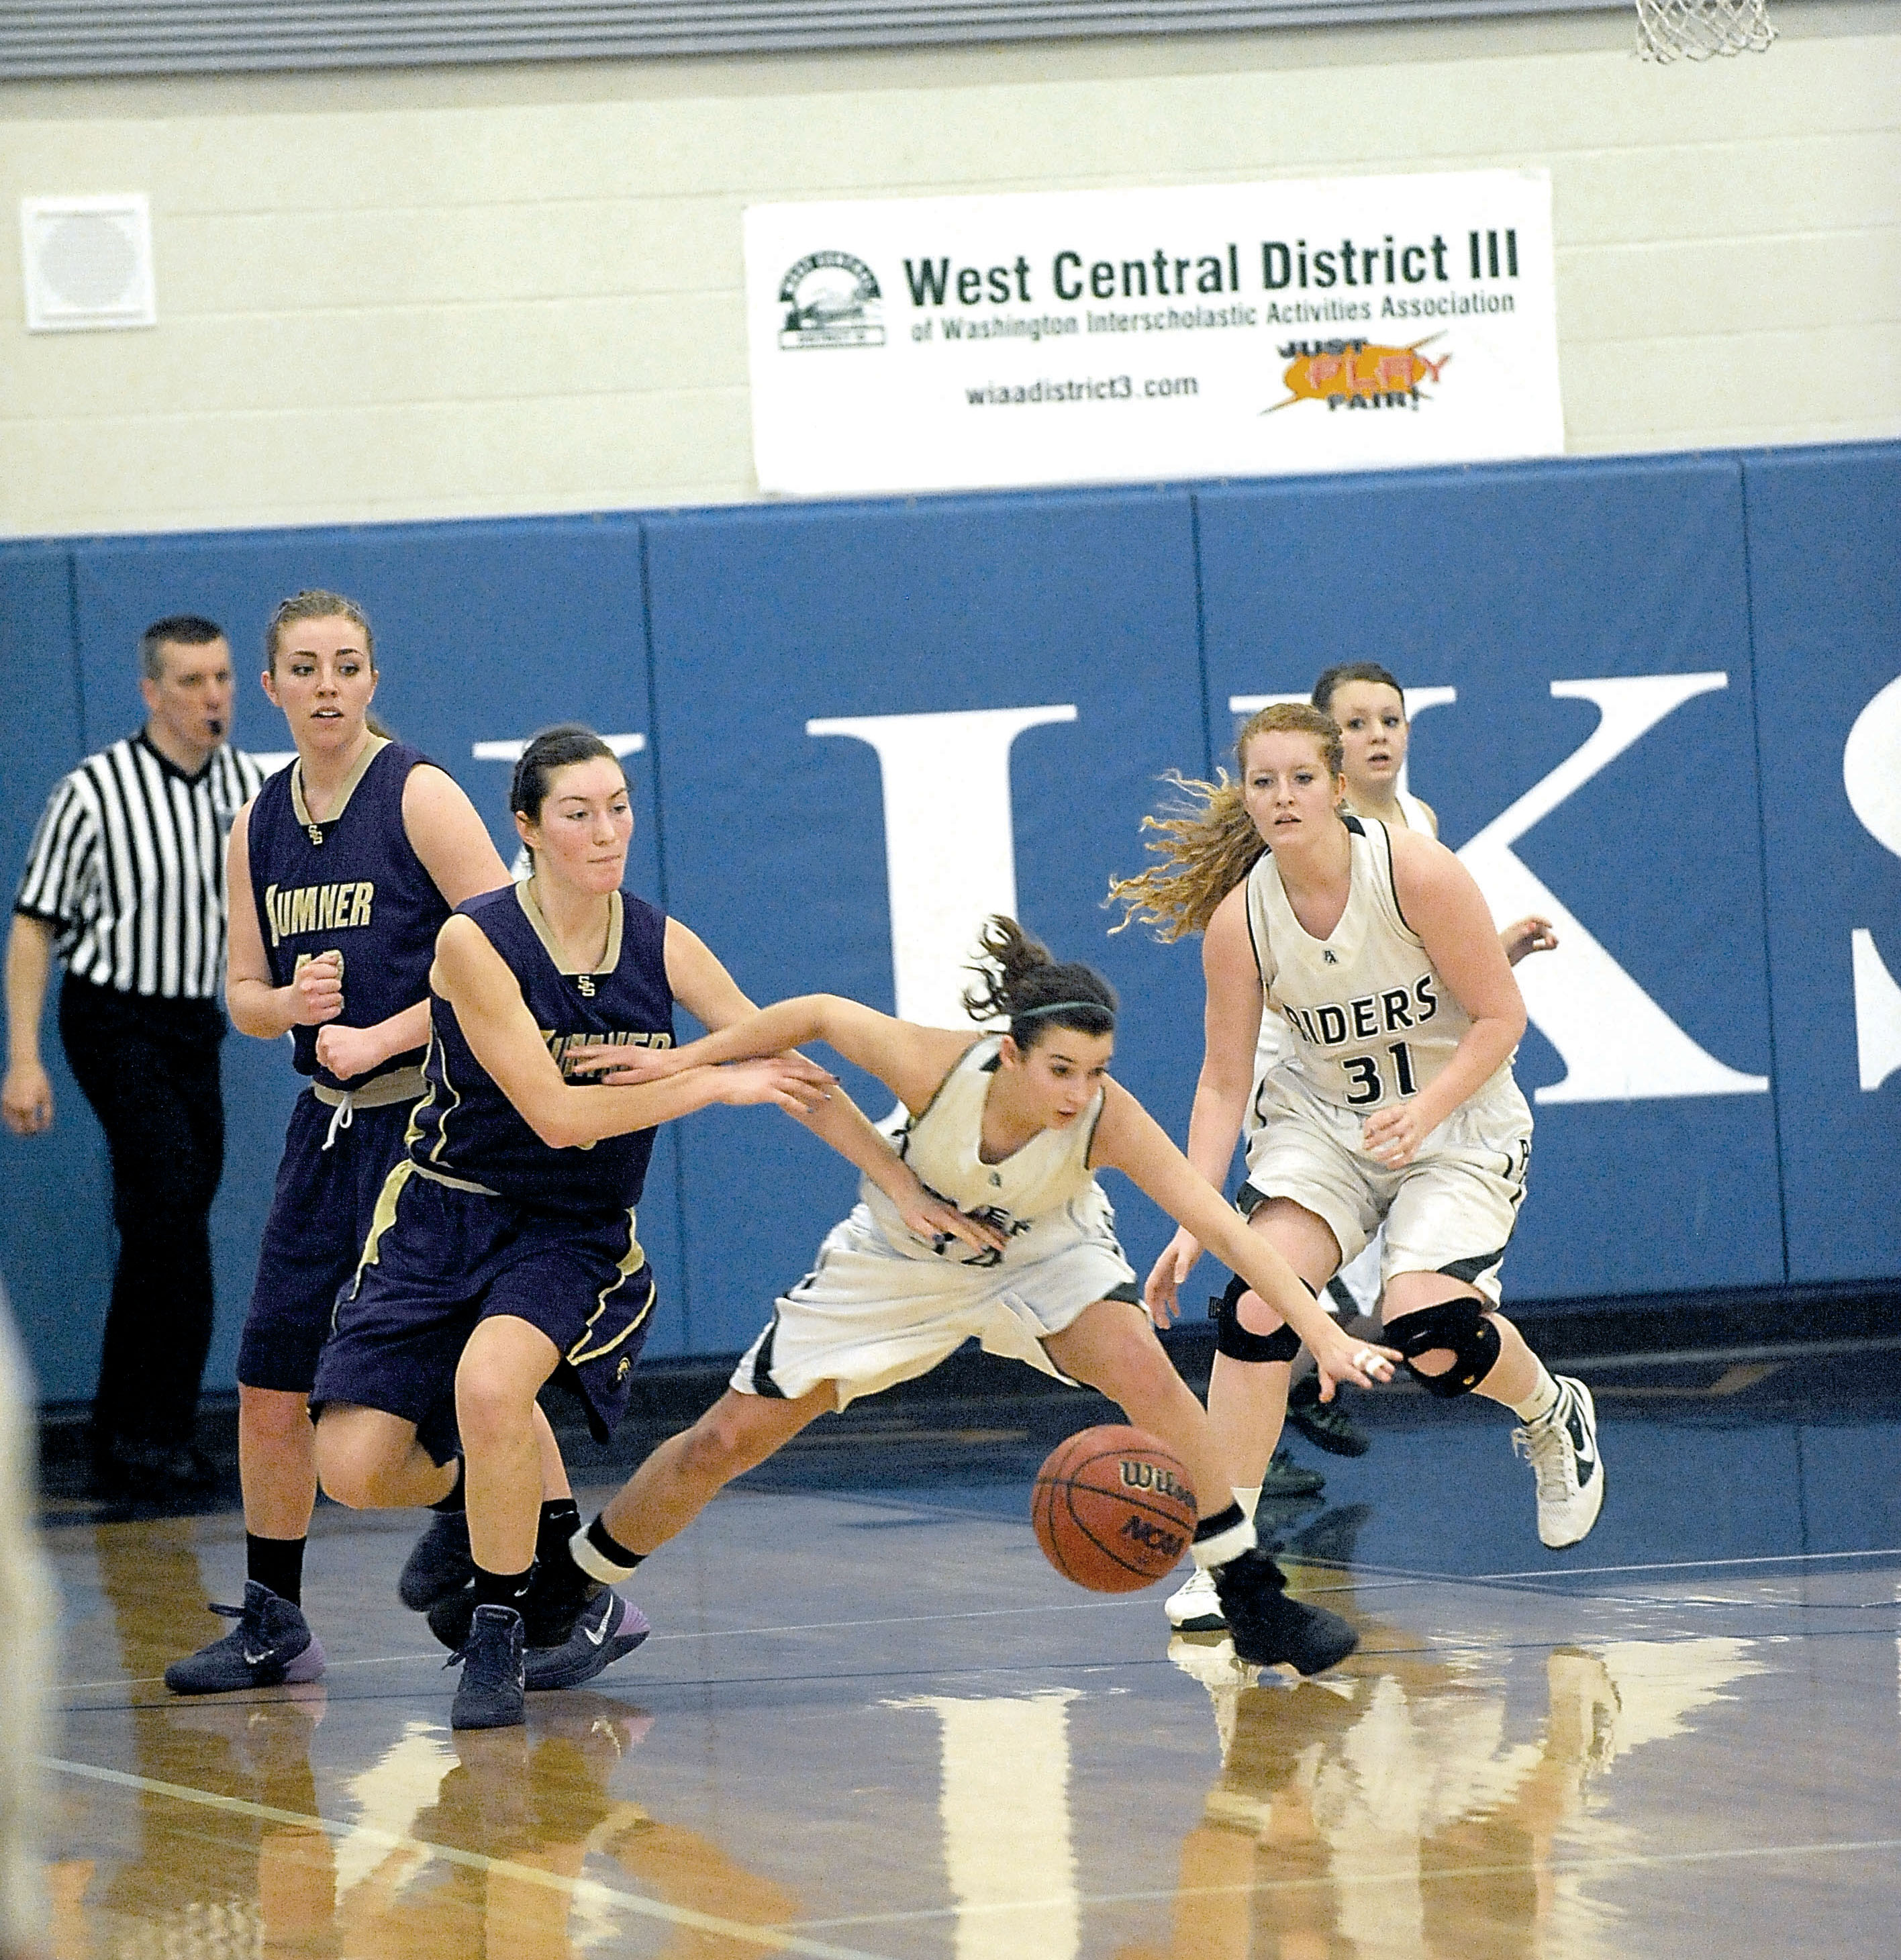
[
  {"x": 1334, "y": 1024},
  {"x": 1371, "y": 1019},
  {"x": 336, "y": 908}
]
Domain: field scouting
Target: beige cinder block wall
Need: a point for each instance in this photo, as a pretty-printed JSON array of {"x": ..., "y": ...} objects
[{"x": 451, "y": 292}]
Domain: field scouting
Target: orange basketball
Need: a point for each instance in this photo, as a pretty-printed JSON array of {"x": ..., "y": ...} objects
[{"x": 1113, "y": 1508}]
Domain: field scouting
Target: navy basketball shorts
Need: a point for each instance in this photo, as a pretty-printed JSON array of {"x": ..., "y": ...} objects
[
  {"x": 321, "y": 1215},
  {"x": 441, "y": 1259}
]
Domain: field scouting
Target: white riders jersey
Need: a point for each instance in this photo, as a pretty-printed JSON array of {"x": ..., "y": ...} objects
[
  {"x": 1275, "y": 1043},
  {"x": 1371, "y": 1020},
  {"x": 1043, "y": 1189}
]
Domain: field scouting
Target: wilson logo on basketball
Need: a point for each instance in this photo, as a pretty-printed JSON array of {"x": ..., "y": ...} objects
[
  {"x": 1139, "y": 1476},
  {"x": 1356, "y": 374}
]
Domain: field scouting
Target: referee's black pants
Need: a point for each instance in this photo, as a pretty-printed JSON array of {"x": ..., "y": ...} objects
[{"x": 149, "y": 1068}]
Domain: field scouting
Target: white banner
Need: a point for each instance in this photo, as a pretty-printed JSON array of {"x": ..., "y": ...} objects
[{"x": 1108, "y": 336}]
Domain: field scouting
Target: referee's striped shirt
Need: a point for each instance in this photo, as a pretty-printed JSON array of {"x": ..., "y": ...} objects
[{"x": 128, "y": 867}]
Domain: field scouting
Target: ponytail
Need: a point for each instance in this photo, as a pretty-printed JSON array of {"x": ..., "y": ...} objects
[{"x": 1020, "y": 981}]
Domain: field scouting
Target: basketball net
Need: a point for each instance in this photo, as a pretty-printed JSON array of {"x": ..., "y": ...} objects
[{"x": 1695, "y": 30}]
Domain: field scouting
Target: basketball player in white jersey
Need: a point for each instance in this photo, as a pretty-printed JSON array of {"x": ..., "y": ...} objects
[
  {"x": 1369, "y": 705},
  {"x": 1396, "y": 1106},
  {"x": 1010, "y": 1128}
]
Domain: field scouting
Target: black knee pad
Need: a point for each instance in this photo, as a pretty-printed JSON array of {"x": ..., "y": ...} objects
[
  {"x": 1242, "y": 1344},
  {"x": 1460, "y": 1327}
]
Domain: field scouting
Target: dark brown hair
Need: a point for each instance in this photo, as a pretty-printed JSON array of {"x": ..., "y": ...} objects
[{"x": 1019, "y": 980}]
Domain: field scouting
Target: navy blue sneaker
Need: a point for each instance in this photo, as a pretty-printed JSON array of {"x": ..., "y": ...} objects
[
  {"x": 272, "y": 1643},
  {"x": 491, "y": 1694},
  {"x": 608, "y": 1628},
  {"x": 1269, "y": 1628},
  {"x": 439, "y": 1564}
]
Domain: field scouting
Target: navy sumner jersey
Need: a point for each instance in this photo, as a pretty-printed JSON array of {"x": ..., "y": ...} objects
[
  {"x": 353, "y": 885},
  {"x": 465, "y": 1127}
]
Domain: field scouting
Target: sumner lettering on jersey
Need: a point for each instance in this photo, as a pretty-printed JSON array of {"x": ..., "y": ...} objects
[
  {"x": 467, "y": 1127},
  {"x": 351, "y": 885}
]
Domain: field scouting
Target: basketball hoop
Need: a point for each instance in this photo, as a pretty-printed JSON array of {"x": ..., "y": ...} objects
[{"x": 1696, "y": 30}]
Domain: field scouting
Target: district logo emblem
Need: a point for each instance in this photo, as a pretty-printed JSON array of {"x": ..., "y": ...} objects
[{"x": 831, "y": 300}]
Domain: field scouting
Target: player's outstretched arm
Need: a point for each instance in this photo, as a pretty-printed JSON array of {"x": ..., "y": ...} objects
[
  {"x": 702, "y": 984},
  {"x": 1232, "y": 1029},
  {"x": 1129, "y": 1140},
  {"x": 911, "y": 1061},
  {"x": 473, "y": 978}
]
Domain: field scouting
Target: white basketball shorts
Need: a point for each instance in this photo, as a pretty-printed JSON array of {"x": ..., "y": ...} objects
[
  {"x": 1450, "y": 1211},
  {"x": 866, "y": 1316}
]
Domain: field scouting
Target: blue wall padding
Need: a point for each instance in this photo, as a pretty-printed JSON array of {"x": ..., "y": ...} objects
[
  {"x": 1500, "y": 582},
  {"x": 1825, "y": 590},
  {"x": 718, "y": 634},
  {"x": 56, "y": 1237},
  {"x": 763, "y": 620}
]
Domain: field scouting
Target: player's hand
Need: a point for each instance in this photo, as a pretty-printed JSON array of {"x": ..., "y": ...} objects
[
  {"x": 934, "y": 1220},
  {"x": 1393, "y": 1136},
  {"x": 25, "y": 1098},
  {"x": 795, "y": 1085},
  {"x": 348, "y": 1051},
  {"x": 620, "y": 1066},
  {"x": 1162, "y": 1294},
  {"x": 1341, "y": 1359},
  {"x": 1528, "y": 936},
  {"x": 317, "y": 993}
]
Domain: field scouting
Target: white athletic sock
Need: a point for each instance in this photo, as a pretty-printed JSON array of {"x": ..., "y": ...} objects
[
  {"x": 1542, "y": 1401},
  {"x": 1225, "y": 1536},
  {"x": 1249, "y": 1498}
]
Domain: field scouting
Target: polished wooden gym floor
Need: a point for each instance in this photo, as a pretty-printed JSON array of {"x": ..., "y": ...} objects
[{"x": 872, "y": 1721}]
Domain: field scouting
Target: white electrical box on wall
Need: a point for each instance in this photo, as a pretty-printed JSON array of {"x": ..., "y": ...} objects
[{"x": 88, "y": 263}]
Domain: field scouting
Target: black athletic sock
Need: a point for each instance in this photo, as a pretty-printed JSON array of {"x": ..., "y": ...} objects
[
  {"x": 560, "y": 1519},
  {"x": 277, "y": 1563},
  {"x": 457, "y": 1499},
  {"x": 502, "y": 1588}
]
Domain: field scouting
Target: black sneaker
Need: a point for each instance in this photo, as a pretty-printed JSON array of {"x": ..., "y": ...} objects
[
  {"x": 272, "y": 1642},
  {"x": 608, "y": 1628},
  {"x": 1268, "y": 1627},
  {"x": 1286, "y": 1479},
  {"x": 1326, "y": 1424},
  {"x": 491, "y": 1693},
  {"x": 439, "y": 1564},
  {"x": 559, "y": 1593}
]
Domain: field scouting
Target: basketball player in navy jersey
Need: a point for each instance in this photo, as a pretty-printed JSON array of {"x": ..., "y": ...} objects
[
  {"x": 503, "y": 1250},
  {"x": 342, "y": 870}
]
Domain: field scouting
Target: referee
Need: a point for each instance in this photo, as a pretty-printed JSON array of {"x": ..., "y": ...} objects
[{"x": 125, "y": 882}]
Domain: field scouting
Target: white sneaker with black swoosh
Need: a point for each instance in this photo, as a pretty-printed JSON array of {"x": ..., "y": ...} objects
[
  {"x": 1562, "y": 1449},
  {"x": 610, "y": 1627}
]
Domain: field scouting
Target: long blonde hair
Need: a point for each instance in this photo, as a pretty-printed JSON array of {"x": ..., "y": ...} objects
[{"x": 1207, "y": 844}]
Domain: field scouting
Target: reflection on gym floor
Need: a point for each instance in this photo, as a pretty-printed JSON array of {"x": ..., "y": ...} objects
[{"x": 872, "y": 1723}]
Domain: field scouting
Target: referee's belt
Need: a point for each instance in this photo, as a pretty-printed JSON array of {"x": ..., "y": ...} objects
[{"x": 400, "y": 1085}]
